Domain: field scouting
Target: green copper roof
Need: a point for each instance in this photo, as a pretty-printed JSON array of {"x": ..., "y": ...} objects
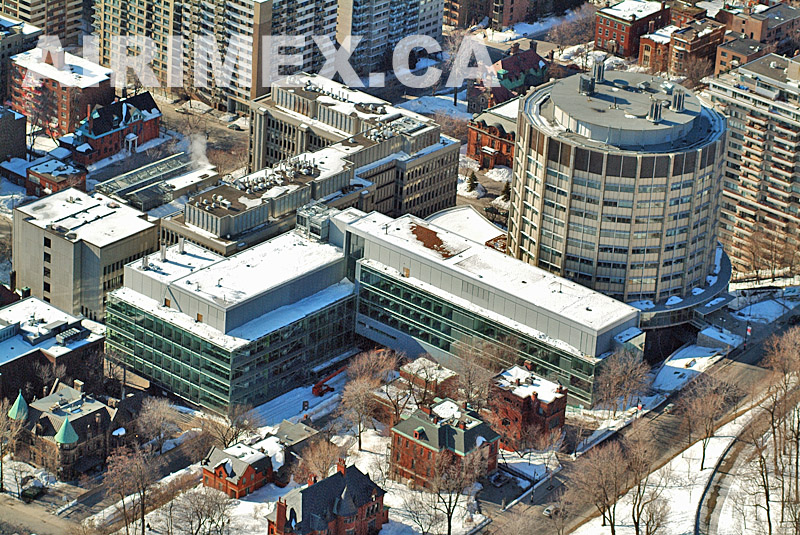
[
  {"x": 19, "y": 411},
  {"x": 66, "y": 435}
]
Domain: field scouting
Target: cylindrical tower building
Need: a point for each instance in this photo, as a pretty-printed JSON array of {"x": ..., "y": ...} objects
[{"x": 616, "y": 185}]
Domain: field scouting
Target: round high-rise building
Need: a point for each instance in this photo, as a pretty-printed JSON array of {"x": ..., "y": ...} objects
[{"x": 616, "y": 185}]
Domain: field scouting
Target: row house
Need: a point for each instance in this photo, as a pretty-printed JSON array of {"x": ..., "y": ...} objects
[
  {"x": 674, "y": 49},
  {"x": 618, "y": 28}
]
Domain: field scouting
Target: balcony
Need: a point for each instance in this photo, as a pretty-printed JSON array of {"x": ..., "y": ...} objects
[
  {"x": 754, "y": 148},
  {"x": 759, "y": 120},
  {"x": 759, "y": 140},
  {"x": 783, "y": 160},
  {"x": 780, "y": 180},
  {"x": 781, "y": 171},
  {"x": 752, "y": 159},
  {"x": 783, "y": 152}
]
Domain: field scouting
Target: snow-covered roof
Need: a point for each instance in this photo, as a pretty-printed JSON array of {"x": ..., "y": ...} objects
[
  {"x": 245, "y": 453},
  {"x": 176, "y": 264},
  {"x": 56, "y": 169},
  {"x": 466, "y": 221},
  {"x": 9, "y": 25},
  {"x": 628, "y": 334},
  {"x": 476, "y": 261},
  {"x": 92, "y": 218},
  {"x": 76, "y": 72},
  {"x": 662, "y": 35},
  {"x": 524, "y": 384},
  {"x": 632, "y": 9},
  {"x": 509, "y": 109},
  {"x": 428, "y": 369}
]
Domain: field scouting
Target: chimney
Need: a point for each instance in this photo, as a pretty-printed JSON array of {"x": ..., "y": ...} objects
[
  {"x": 163, "y": 252},
  {"x": 514, "y": 49},
  {"x": 516, "y": 381},
  {"x": 180, "y": 245},
  {"x": 532, "y": 45},
  {"x": 280, "y": 516},
  {"x": 651, "y": 26},
  {"x": 54, "y": 57},
  {"x": 462, "y": 425},
  {"x": 77, "y": 384},
  {"x": 340, "y": 466},
  {"x": 426, "y": 409},
  {"x": 12, "y": 281},
  {"x": 311, "y": 479},
  {"x": 89, "y": 116},
  {"x": 528, "y": 365}
]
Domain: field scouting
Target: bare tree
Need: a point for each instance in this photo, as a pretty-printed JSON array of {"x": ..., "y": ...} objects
[
  {"x": 474, "y": 377},
  {"x": 359, "y": 403},
  {"x": 10, "y": 430},
  {"x": 424, "y": 383},
  {"x": 204, "y": 511},
  {"x": 452, "y": 126},
  {"x": 622, "y": 376},
  {"x": 451, "y": 44},
  {"x": 377, "y": 364},
  {"x": 18, "y": 471},
  {"x": 563, "y": 509},
  {"x": 579, "y": 29},
  {"x": 452, "y": 476},
  {"x": 157, "y": 421},
  {"x": 599, "y": 478},
  {"x": 198, "y": 442},
  {"x": 656, "y": 514},
  {"x": 420, "y": 508},
  {"x": 240, "y": 420},
  {"x": 318, "y": 457},
  {"x": 758, "y": 475},
  {"x": 703, "y": 404},
  {"x": 131, "y": 472},
  {"x": 47, "y": 373},
  {"x": 165, "y": 517},
  {"x": 695, "y": 69},
  {"x": 648, "y": 486}
]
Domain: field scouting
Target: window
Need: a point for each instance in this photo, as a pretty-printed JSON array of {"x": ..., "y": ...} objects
[
  {"x": 167, "y": 302},
  {"x": 47, "y": 242},
  {"x": 46, "y": 286},
  {"x": 47, "y": 257},
  {"x": 199, "y": 317}
]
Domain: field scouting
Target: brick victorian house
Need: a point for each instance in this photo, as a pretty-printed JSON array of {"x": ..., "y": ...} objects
[
  {"x": 523, "y": 405},
  {"x": 515, "y": 74},
  {"x": 346, "y": 503},
  {"x": 68, "y": 432},
  {"x": 444, "y": 426},
  {"x": 237, "y": 471},
  {"x": 124, "y": 124},
  {"x": 619, "y": 27},
  {"x": 491, "y": 135}
]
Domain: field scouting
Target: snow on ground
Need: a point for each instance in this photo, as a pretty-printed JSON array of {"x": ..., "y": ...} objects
[
  {"x": 124, "y": 154},
  {"x": 642, "y": 305},
  {"x": 13, "y": 470},
  {"x": 683, "y": 492},
  {"x": 11, "y": 195},
  {"x": 501, "y": 203},
  {"x": 765, "y": 311},
  {"x": 726, "y": 337},
  {"x": 524, "y": 29},
  {"x": 533, "y": 464},
  {"x": 433, "y": 104},
  {"x": 465, "y": 162},
  {"x": 5, "y": 271},
  {"x": 371, "y": 459},
  {"x": 683, "y": 365},
  {"x": 462, "y": 190},
  {"x": 289, "y": 406},
  {"x": 500, "y": 173},
  {"x": 608, "y": 422}
]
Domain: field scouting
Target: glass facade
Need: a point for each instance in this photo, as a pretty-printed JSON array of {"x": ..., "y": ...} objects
[
  {"x": 441, "y": 324},
  {"x": 214, "y": 377}
]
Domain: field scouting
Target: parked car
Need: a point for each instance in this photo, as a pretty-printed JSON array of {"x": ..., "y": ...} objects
[
  {"x": 669, "y": 408},
  {"x": 550, "y": 511}
]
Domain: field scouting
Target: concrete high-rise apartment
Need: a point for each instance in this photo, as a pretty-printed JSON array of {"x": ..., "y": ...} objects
[
  {"x": 237, "y": 27},
  {"x": 61, "y": 18},
  {"x": 15, "y": 37},
  {"x": 382, "y": 24},
  {"x": 760, "y": 211},
  {"x": 616, "y": 185},
  {"x": 71, "y": 248}
]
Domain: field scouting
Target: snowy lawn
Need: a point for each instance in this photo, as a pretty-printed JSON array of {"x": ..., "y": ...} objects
[
  {"x": 608, "y": 422},
  {"x": 11, "y": 195},
  {"x": 684, "y": 365},
  {"x": 765, "y": 311},
  {"x": 684, "y": 490},
  {"x": 289, "y": 406},
  {"x": 533, "y": 464},
  {"x": 462, "y": 190},
  {"x": 501, "y": 173},
  {"x": 433, "y": 104},
  {"x": 17, "y": 470}
]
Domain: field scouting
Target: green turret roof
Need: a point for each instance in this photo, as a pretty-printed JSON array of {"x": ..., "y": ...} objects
[
  {"x": 19, "y": 410},
  {"x": 66, "y": 435}
]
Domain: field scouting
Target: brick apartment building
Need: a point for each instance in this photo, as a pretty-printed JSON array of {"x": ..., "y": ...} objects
[
  {"x": 739, "y": 51},
  {"x": 124, "y": 124},
  {"x": 524, "y": 405},
  {"x": 696, "y": 41},
  {"x": 619, "y": 27},
  {"x": 54, "y": 88},
  {"x": 776, "y": 25},
  {"x": 52, "y": 175},
  {"x": 491, "y": 134},
  {"x": 654, "y": 49},
  {"x": 465, "y": 13},
  {"x": 345, "y": 503},
  {"x": 680, "y": 13},
  {"x": 419, "y": 440}
]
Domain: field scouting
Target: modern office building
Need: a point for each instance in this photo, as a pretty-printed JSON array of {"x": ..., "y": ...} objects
[
  {"x": 246, "y": 328},
  {"x": 15, "y": 37},
  {"x": 616, "y": 185},
  {"x": 760, "y": 212},
  {"x": 238, "y": 330},
  {"x": 61, "y": 18},
  {"x": 382, "y": 25},
  {"x": 70, "y": 248}
]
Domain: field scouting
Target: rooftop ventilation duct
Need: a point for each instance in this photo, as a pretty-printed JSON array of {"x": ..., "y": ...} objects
[
  {"x": 678, "y": 98},
  {"x": 586, "y": 85},
  {"x": 655, "y": 111},
  {"x": 599, "y": 71}
]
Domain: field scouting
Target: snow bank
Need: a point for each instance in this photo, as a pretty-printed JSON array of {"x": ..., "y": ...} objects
[
  {"x": 683, "y": 365},
  {"x": 11, "y": 195},
  {"x": 765, "y": 311},
  {"x": 433, "y": 104},
  {"x": 500, "y": 173},
  {"x": 462, "y": 190}
]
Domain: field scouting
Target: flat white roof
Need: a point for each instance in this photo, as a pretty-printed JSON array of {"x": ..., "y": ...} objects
[
  {"x": 77, "y": 72},
  {"x": 632, "y": 9},
  {"x": 93, "y": 218},
  {"x": 176, "y": 265},
  {"x": 662, "y": 35},
  {"x": 529, "y": 383},
  {"x": 428, "y": 369},
  {"x": 466, "y": 221},
  {"x": 484, "y": 264}
]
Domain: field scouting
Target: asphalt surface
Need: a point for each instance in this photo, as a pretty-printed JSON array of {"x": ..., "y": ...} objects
[{"x": 739, "y": 369}]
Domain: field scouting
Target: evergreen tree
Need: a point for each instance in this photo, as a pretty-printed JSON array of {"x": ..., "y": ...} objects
[
  {"x": 472, "y": 181},
  {"x": 506, "y": 195}
]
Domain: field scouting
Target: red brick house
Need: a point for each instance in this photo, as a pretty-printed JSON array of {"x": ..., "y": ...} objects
[
  {"x": 237, "y": 471},
  {"x": 431, "y": 379},
  {"x": 491, "y": 134},
  {"x": 523, "y": 405},
  {"x": 54, "y": 88},
  {"x": 122, "y": 125},
  {"x": 516, "y": 73},
  {"x": 696, "y": 41},
  {"x": 739, "y": 51},
  {"x": 654, "y": 49},
  {"x": 52, "y": 175},
  {"x": 346, "y": 503},
  {"x": 443, "y": 428},
  {"x": 680, "y": 13},
  {"x": 619, "y": 27}
]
